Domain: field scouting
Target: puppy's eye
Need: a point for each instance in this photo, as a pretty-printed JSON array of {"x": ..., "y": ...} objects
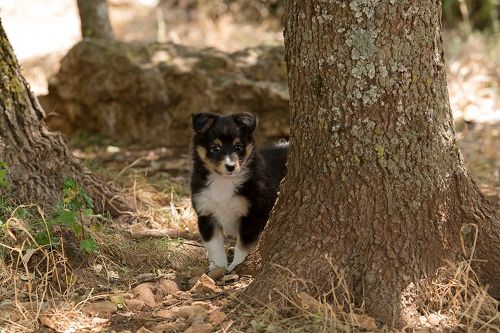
[
  {"x": 215, "y": 149},
  {"x": 238, "y": 148}
]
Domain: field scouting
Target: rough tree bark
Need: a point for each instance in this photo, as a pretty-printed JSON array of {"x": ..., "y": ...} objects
[
  {"x": 38, "y": 161},
  {"x": 375, "y": 177},
  {"x": 94, "y": 19}
]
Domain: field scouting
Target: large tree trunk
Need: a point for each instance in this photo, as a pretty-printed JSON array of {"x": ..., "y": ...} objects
[
  {"x": 37, "y": 160},
  {"x": 94, "y": 19},
  {"x": 375, "y": 177}
]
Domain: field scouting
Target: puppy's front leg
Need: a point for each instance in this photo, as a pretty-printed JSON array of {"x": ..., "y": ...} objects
[
  {"x": 240, "y": 253},
  {"x": 250, "y": 229},
  {"x": 213, "y": 239}
]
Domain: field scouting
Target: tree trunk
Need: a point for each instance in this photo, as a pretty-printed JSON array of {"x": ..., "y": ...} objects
[
  {"x": 94, "y": 19},
  {"x": 375, "y": 178},
  {"x": 38, "y": 161}
]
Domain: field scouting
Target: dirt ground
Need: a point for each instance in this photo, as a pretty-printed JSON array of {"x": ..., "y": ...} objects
[{"x": 150, "y": 272}]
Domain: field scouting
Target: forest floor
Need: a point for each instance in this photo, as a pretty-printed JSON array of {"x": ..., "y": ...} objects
[{"x": 147, "y": 272}]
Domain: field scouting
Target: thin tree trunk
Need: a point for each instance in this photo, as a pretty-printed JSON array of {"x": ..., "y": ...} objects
[
  {"x": 38, "y": 161},
  {"x": 375, "y": 178},
  {"x": 94, "y": 19}
]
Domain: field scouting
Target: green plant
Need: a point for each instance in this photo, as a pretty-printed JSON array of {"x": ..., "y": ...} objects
[{"x": 75, "y": 207}]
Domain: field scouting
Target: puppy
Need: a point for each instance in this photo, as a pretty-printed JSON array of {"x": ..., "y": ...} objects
[{"x": 233, "y": 185}]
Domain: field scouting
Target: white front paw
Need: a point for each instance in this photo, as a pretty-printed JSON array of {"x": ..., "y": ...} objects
[{"x": 231, "y": 267}]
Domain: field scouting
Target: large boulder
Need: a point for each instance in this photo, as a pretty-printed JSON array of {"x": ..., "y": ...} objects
[{"x": 145, "y": 93}]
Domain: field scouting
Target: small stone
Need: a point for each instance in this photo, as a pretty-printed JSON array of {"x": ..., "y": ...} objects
[
  {"x": 217, "y": 273},
  {"x": 216, "y": 317},
  {"x": 205, "y": 285},
  {"x": 166, "y": 314},
  {"x": 168, "y": 287},
  {"x": 103, "y": 308},
  {"x": 134, "y": 304},
  {"x": 201, "y": 328},
  {"x": 194, "y": 313},
  {"x": 230, "y": 277},
  {"x": 145, "y": 293},
  {"x": 433, "y": 319}
]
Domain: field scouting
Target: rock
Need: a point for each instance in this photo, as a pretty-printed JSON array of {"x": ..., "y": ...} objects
[
  {"x": 230, "y": 277},
  {"x": 145, "y": 293},
  {"x": 134, "y": 94},
  {"x": 166, "y": 314},
  {"x": 193, "y": 313},
  {"x": 205, "y": 285},
  {"x": 433, "y": 319},
  {"x": 201, "y": 328},
  {"x": 134, "y": 304},
  {"x": 168, "y": 287},
  {"x": 216, "y": 317},
  {"x": 102, "y": 308},
  {"x": 217, "y": 273}
]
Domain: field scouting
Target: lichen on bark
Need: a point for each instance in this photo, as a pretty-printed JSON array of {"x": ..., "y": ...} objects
[{"x": 375, "y": 178}]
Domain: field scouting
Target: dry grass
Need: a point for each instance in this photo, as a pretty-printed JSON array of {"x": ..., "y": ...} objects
[
  {"x": 42, "y": 285},
  {"x": 33, "y": 276},
  {"x": 452, "y": 302}
]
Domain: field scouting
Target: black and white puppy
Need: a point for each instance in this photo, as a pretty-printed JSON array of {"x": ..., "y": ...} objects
[{"x": 233, "y": 185}]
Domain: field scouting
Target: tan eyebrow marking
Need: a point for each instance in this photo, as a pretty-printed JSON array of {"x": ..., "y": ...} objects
[
  {"x": 218, "y": 142},
  {"x": 202, "y": 153},
  {"x": 236, "y": 141}
]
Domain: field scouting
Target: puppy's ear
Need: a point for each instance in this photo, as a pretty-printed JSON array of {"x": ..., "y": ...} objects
[
  {"x": 246, "y": 121},
  {"x": 202, "y": 122}
]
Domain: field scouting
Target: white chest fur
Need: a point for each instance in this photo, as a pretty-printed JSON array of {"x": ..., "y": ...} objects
[{"x": 220, "y": 200}]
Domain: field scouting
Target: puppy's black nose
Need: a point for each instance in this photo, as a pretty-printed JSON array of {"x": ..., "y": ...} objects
[{"x": 230, "y": 167}]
